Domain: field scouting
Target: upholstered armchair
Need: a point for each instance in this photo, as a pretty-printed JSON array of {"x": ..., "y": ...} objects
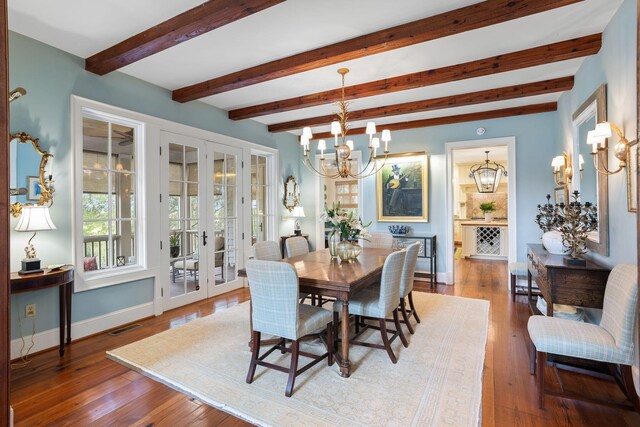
[{"x": 611, "y": 342}]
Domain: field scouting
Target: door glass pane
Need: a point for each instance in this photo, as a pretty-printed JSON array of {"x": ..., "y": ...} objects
[
  {"x": 260, "y": 216},
  {"x": 225, "y": 201},
  {"x": 184, "y": 224}
]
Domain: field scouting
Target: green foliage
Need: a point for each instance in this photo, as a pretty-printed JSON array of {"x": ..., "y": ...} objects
[{"x": 488, "y": 206}]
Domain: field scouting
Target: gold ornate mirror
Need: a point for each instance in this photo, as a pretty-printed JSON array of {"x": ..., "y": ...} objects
[
  {"x": 291, "y": 193},
  {"x": 32, "y": 185}
]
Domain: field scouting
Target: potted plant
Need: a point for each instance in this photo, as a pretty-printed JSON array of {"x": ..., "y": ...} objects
[
  {"x": 488, "y": 208},
  {"x": 174, "y": 244}
]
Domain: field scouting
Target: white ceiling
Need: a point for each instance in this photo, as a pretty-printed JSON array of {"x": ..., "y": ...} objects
[{"x": 84, "y": 28}]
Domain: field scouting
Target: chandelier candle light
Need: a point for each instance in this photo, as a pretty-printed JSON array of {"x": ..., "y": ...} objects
[{"x": 343, "y": 160}]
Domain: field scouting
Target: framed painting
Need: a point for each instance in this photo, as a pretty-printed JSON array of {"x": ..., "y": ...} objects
[
  {"x": 402, "y": 188},
  {"x": 632, "y": 177},
  {"x": 33, "y": 188}
]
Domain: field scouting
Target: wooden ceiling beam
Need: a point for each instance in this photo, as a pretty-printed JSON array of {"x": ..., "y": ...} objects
[
  {"x": 186, "y": 26},
  {"x": 460, "y": 118},
  {"x": 561, "y": 51},
  {"x": 491, "y": 95},
  {"x": 479, "y": 15}
]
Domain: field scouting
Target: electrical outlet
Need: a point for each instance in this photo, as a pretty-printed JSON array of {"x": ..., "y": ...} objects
[{"x": 30, "y": 310}]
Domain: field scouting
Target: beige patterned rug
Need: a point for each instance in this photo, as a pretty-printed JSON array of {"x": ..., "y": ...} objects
[{"x": 437, "y": 380}]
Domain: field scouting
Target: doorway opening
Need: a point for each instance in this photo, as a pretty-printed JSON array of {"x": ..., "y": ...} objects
[{"x": 470, "y": 232}]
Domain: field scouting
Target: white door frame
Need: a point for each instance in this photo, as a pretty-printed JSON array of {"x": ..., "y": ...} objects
[
  {"x": 241, "y": 220},
  {"x": 510, "y": 142},
  {"x": 167, "y": 138},
  {"x": 357, "y": 160}
]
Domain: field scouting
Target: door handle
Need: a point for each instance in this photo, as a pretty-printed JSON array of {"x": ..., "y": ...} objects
[{"x": 204, "y": 238}]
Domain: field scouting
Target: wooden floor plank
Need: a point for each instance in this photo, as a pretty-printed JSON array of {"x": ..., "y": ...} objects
[{"x": 85, "y": 388}]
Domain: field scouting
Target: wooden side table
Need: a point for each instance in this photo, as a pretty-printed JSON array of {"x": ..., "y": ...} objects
[
  {"x": 283, "y": 239},
  {"x": 63, "y": 280}
]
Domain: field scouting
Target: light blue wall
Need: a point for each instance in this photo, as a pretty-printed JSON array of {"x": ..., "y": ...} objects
[
  {"x": 50, "y": 77},
  {"x": 534, "y": 149},
  {"x": 614, "y": 65}
]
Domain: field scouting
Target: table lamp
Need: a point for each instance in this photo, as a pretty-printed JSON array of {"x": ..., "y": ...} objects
[
  {"x": 33, "y": 218},
  {"x": 297, "y": 212}
]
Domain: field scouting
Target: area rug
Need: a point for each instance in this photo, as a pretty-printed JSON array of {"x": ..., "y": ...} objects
[{"x": 437, "y": 380}]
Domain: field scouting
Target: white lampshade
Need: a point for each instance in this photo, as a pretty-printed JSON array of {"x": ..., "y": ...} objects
[
  {"x": 297, "y": 212},
  {"x": 322, "y": 145},
  {"x": 350, "y": 144},
  {"x": 335, "y": 128},
  {"x": 375, "y": 142},
  {"x": 35, "y": 218},
  {"x": 558, "y": 161},
  {"x": 306, "y": 132},
  {"x": 386, "y": 135},
  {"x": 580, "y": 161},
  {"x": 371, "y": 128},
  {"x": 603, "y": 130},
  {"x": 304, "y": 141}
]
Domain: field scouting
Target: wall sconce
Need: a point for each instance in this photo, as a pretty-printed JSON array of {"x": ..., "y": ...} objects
[
  {"x": 597, "y": 138},
  {"x": 563, "y": 170}
]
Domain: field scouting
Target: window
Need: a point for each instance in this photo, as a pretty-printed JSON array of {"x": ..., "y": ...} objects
[
  {"x": 347, "y": 194},
  {"x": 109, "y": 202},
  {"x": 262, "y": 216}
]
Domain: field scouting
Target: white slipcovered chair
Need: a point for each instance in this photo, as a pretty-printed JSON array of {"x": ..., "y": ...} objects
[
  {"x": 406, "y": 285},
  {"x": 611, "y": 342},
  {"x": 296, "y": 246},
  {"x": 276, "y": 311},
  {"x": 378, "y": 303},
  {"x": 379, "y": 240}
]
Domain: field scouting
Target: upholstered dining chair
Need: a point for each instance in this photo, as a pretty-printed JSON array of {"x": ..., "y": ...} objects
[
  {"x": 378, "y": 303},
  {"x": 268, "y": 250},
  {"x": 379, "y": 240},
  {"x": 406, "y": 285},
  {"x": 296, "y": 246},
  {"x": 276, "y": 311},
  {"x": 611, "y": 342}
]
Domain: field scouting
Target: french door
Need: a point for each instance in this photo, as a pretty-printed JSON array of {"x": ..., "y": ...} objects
[{"x": 201, "y": 189}]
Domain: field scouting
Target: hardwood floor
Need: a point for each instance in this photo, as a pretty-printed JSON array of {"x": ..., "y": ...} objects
[{"x": 84, "y": 388}]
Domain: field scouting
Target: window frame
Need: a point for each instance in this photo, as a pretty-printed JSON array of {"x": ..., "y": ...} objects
[{"x": 114, "y": 275}]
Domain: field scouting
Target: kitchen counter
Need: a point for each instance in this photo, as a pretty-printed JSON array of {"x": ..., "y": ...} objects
[{"x": 483, "y": 223}]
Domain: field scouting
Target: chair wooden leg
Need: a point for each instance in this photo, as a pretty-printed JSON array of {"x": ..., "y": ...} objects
[
  {"x": 385, "y": 340},
  {"x": 542, "y": 358},
  {"x": 413, "y": 307},
  {"x": 629, "y": 389},
  {"x": 403, "y": 308},
  {"x": 330, "y": 343},
  {"x": 396, "y": 321},
  {"x": 255, "y": 350},
  {"x": 293, "y": 368},
  {"x": 532, "y": 359},
  {"x": 513, "y": 287},
  {"x": 357, "y": 324}
]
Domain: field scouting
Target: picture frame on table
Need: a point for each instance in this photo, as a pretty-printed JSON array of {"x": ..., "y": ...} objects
[
  {"x": 402, "y": 188},
  {"x": 561, "y": 194},
  {"x": 632, "y": 176},
  {"x": 34, "y": 191}
]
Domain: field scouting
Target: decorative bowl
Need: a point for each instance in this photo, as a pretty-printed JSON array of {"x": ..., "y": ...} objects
[{"x": 398, "y": 230}]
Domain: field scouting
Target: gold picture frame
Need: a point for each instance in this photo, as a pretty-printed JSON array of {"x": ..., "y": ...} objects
[
  {"x": 402, "y": 188},
  {"x": 632, "y": 176}
]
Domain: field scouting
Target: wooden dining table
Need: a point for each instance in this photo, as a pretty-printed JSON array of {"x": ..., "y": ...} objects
[{"x": 319, "y": 275}]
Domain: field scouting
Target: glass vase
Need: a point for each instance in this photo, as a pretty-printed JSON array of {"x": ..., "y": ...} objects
[
  {"x": 344, "y": 250},
  {"x": 356, "y": 249},
  {"x": 334, "y": 239}
]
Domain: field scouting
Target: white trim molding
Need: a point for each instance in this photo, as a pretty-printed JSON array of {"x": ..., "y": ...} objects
[
  {"x": 448, "y": 276},
  {"x": 84, "y": 328}
]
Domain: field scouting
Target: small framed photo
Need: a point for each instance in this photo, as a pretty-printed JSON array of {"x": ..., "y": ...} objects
[
  {"x": 560, "y": 194},
  {"x": 632, "y": 177},
  {"x": 34, "y": 189}
]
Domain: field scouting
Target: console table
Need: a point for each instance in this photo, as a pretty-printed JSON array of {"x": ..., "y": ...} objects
[
  {"x": 63, "y": 280},
  {"x": 427, "y": 250},
  {"x": 564, "y": 284}
]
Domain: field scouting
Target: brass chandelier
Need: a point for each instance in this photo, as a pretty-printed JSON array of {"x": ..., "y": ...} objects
[{"x": 343, "y": 150}]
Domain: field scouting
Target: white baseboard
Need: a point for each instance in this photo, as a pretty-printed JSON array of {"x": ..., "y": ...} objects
[
  {"x": 445, "y": 277},
  {"x": 50, "y": 339}
]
